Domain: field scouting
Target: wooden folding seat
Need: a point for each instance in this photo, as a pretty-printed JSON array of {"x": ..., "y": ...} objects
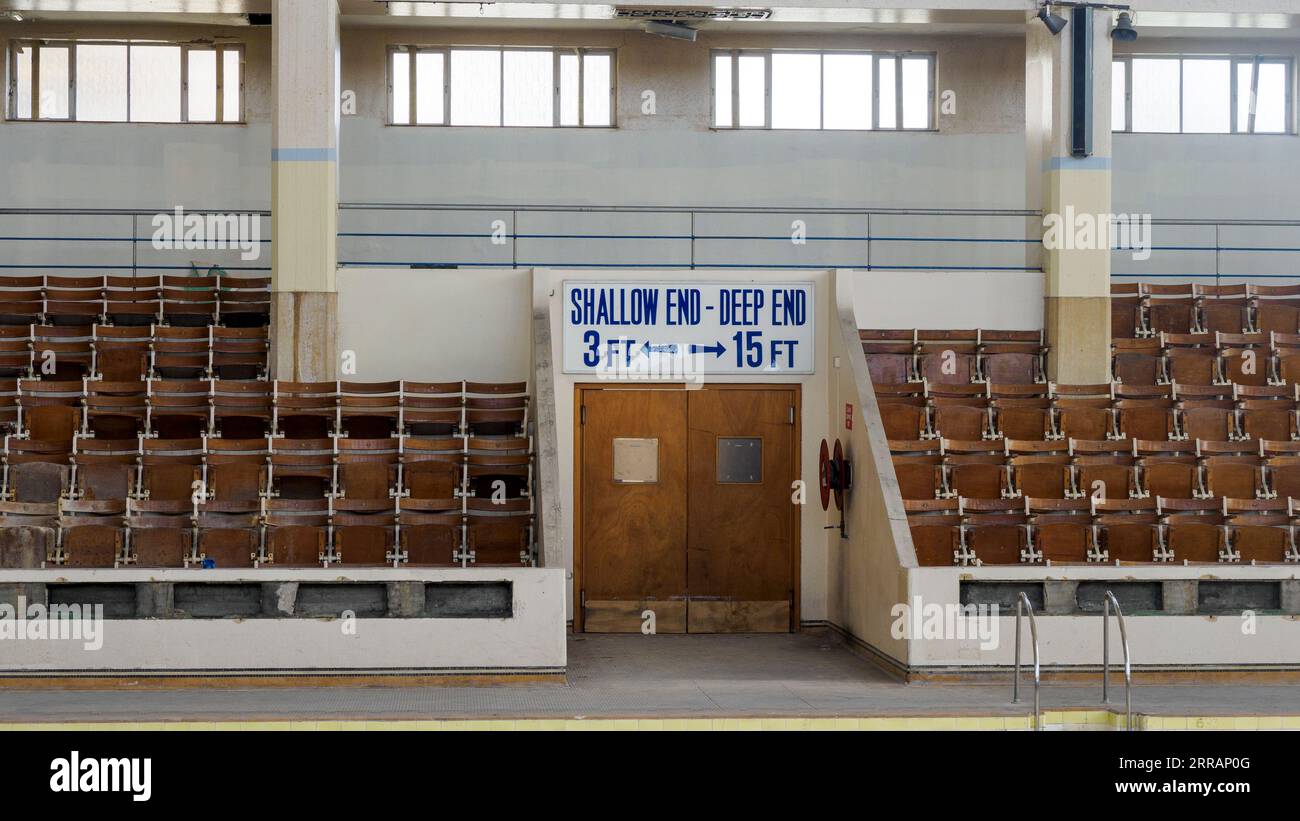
[
  {"x": 974, "y": 470},
  {"x": 1259, "y": 531},
  {"x": 1170, "y": 309},
  {"x": 49, "y": 411},
  {"x": 166, "y": 539},
  {"x": 241, "y": 409},
  {"x": 8, "y": 406},
  {"x": 365, "y": 505},
  {"x": 1011, "y": 357},
  {"x": 234, "y": 474},
  {"x": 1144, "y": 411},
  {"x": 304, "y": 410},
  {"x": 498, "y": 477},
  {"x": 120, "y": 354},
  {"x": 369, "y": 410},
  {"x": 890, "y": 355},
  {"x": 427, "y": 535},
  {"x": 104, "y": 469},
  {"x": 1191, "y": 530},
  {"x": 901, "y": 393},
  {"x": 1269, "y": 448},
  {"x": 433, "y": 470},
  {"x": 516, "y": 446},
  {"x": 1060, "y": 530},
  {"x": 1282, "y": 469},
  {"x": 189, "y": 302},
  {"x": 22, "y": 299},
  {"x": 1082, "y": 411},
  {"x": 297, "y": 532},
  {"x": 366, "y": 539},
  {"x": 934, "y": 527},
  {"x": 230, "y": 539},
  {"x": 1223, "y": 308},
  {"x": 243, "y": 301},
  {"x": 171, "y": 474},
  {"x": 996, "y": 531},
  {"x": 177, "y": 408},
  {"x": 74, "y": 300},
  {"x": 1126, "y": 311},
  {"x": 1232, "y": 469},
  {"x": 904, "y": 421},
  {"x": 1136, "y": 361},
  {"x": 1168, "y": 469},
  {"x": 16, "y": 351},
  {"x": 1190, "y": 359},
  {"x": 1125, "y": 530},
  {"x": 368, "y": 470},
  {"x": 1039, "y": 468},
  {"x": 237, "y": 353},
  {"x": 92, "y": 533},
  {"x": 957, "y": 411},
  {"x": 114, "y": 410},
  {"x": 178, "y": 352},
  {"x": 1285, "y": 364},
  {"x": 433, "y": 409},
  {"x": 133, "y": 301},
  {"x": 1275, "y": 308},
  {"x": 62, "y": 352},
  {"x": 1042, "y": 476},
  {"x": 1204, "y": 412},
  {"x": 301, "y": 468},
  {"x": 1244, "y": 359},
  {"x": 1261, "y": 416},
  {"x": 32, "y": 474},
  {"x": 33, "y": 514},
  {"x": 917, "y": 467},
  {"x": 498, "y": 534},
  {"x": 496, "y": 408},
  {"x": 947, "y": 357},
  {"x": 1020, "y": 411}
]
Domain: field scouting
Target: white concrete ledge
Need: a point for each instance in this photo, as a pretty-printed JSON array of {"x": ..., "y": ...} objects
[{"x": 532, "y": 639}]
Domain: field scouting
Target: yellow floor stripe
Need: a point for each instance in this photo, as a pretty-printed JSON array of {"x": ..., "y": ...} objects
[{"x": 1052, "y": 720}]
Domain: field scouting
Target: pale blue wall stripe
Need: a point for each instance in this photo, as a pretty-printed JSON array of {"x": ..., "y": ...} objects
[
  {"x": 304, "y": 155},
  {"x": 1077, "y": 164}
]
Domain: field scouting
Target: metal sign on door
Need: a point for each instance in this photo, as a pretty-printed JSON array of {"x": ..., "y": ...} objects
[{"x": 630, "y": 329}]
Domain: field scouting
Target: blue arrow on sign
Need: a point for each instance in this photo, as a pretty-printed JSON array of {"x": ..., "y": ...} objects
[
  {"x": 648, "y": 349},
  {"x": 717, "y": 349}
]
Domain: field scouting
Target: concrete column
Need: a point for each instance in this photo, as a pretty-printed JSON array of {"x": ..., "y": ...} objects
[
  {"x": 304, "y": 189},
  {"x": 1074, "y": 196}
]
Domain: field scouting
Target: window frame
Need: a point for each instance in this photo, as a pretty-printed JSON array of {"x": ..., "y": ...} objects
[
  {"x": 1234, "y": 61},
  {"x": 412, "y": 49},
  {"x": 11, "y": 107},
  {"x": 876, "y": 56}
]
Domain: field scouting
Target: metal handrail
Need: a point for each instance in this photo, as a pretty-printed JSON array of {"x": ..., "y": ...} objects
[
  {"x": 1022, "y": 604},
  {"x": 1105, "y": 658}
]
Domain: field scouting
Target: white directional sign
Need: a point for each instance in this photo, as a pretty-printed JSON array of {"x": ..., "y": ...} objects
[{"x": 633, "y": 329}]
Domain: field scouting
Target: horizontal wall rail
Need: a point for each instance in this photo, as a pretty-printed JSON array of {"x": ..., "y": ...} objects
[
  {"x": 478, "y": 235},
  {"x": 126, "y": 241}
]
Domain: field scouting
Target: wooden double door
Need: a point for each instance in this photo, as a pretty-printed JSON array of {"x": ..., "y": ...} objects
[{"x": 686, "y": 516}]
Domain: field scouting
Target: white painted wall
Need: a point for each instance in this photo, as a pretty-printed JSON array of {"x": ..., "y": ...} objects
[
  {"x": 436, "y": 325},
  {"x": 1006, "y": 300}
]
